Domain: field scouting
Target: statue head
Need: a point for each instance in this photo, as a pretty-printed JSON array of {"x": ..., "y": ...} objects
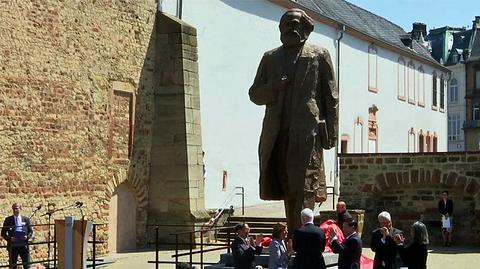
[{"x": 295, "y": 27}]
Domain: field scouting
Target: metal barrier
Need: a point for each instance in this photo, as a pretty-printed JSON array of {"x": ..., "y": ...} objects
[
  {"x": 191, "y": 245},
  {"x": 48, "y": 241},
  {"x": 54, "y": 255}
]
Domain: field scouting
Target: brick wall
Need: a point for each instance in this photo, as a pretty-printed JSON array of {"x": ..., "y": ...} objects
[
  {"x": 75, "y": 105},
  {"x": 409, "y": 187}
]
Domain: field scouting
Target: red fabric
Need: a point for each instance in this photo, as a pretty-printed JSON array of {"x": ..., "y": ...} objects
[
  {"x": 325, "y": 227},
  {"x": 266, "y": 240},
  {"x": 365, "y": 262}
]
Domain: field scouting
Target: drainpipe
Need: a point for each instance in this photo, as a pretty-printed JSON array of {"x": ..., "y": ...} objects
[
  {"x": 179, "y": 8},
  {"x": 341, "y": 31}
]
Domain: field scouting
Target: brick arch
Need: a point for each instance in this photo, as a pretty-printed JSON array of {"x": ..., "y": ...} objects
[
  {"x": 137, "y": 186},
  {"x": 448, "y": 180}
]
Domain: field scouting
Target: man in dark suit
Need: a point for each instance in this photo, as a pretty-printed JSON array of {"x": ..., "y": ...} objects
[
  {"x": 383, "y": 243},
  {"x": 16, "y": 231},
  {"x": 445, "y": 207},
  {"x": 244, "y": 247},
  {"x": 308, "y": 243},
  {"x": 350, "y": 250}
]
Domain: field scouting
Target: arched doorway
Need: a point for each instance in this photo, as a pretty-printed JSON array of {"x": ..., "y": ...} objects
[{"x": 122, "y": 219}]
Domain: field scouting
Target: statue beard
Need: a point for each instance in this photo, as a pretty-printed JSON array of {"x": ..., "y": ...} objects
[{"x": 292, "y": 39}]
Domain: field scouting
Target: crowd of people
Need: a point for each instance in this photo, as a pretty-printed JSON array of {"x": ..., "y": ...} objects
[{"x": 308, "y": 242}]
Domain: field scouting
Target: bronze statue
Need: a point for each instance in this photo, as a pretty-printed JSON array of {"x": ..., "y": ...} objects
[{"x": 296, "y": 83}]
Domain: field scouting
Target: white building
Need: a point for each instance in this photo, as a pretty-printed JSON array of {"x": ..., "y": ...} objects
[
  {"x": 456, "y": 108},
  {"x": 391, "y": 91}
]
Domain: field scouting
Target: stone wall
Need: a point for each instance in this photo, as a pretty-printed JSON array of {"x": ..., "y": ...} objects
[
  {"x": 76, "y": 87},
  {"x": 176, "y": 191},
  {"x": 409, "y": 186}
]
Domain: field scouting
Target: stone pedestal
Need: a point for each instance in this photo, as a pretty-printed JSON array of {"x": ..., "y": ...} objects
[{"x": 176, "y": 188}]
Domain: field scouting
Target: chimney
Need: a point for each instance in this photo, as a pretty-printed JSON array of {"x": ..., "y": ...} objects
[
  {"x": 406, "y": 40},
  {"x": 476, "y": 22},
  {"x": 419, "y": 31}
]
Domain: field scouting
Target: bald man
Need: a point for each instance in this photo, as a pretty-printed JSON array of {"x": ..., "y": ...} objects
[{"x": 342, "y": 214}]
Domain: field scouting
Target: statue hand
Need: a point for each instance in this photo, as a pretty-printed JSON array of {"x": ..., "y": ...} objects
[{"x": 320, "y": 199}]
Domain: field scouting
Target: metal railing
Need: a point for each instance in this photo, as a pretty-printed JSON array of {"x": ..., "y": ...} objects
[
  {"x": 52, "y": 259},
  {"x": 229, "y": 198},
  {"x": 190, "y": 252},
  {"x": 28, "y": 243},
  {"x": 192, "y": 244}
]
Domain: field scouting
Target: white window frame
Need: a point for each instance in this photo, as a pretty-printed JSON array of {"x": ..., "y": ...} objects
[{"x": 453, "y": 96}]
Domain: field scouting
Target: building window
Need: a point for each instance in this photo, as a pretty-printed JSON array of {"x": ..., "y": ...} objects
[
  {"x": 477, "y": 79},
  {"x": 454, "y": 127},
  {"x": 411, "y": 83},
  {"x": 421, "y": 86},
  {"x": 453, "y": 96},
  {"x": 401, "y": 78},
  {"x": 344, "y": 144},
  {"x": 476, "y": 112},
  {"x": 434, "y": 90},
  {"x": 372, "y": 68},
  {"x": 421, "y": 142},
  {"x": 122, "y": 121},
  {"x": 372, "y": 129},
  {"x": 434, "y": 142},
  {"x": 358, "y": 135},
  {"x": 442, "y": 92},
  {"x": 411, "y": 140}
]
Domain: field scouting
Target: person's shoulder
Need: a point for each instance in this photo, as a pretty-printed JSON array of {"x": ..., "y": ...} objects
[
  {"x": 272, "y": 52},
  {"x": 396, "y": 231},
  {"x": 314, "y": 228},
  {"x": 315, "y": 50},
  {"x": 275, "y": 243},
  {"x": 236, "y": 240}
]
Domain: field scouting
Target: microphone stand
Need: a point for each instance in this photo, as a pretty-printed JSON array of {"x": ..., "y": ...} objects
[
  {"x": 33, "y": 214},
  {"x": 49, "y": 213},
  {"x": 31, "y": 223}
]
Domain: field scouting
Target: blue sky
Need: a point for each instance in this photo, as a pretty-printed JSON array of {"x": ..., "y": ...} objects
[{"x": 435, "y": 13}]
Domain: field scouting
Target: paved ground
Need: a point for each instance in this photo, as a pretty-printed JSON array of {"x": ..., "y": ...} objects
[{"x": 438, "y": 257}]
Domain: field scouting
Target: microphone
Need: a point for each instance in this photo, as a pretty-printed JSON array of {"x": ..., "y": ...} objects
[{"x": 78, "y": 204}]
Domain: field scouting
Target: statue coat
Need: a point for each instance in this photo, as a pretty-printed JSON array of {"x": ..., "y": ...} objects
[{"x": 315, "y": 98}]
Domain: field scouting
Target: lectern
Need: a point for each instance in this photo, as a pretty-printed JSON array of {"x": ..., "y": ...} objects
[{"x": 72, "y": 242}]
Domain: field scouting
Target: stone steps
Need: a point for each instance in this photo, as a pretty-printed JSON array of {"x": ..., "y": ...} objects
[{"x": 258, "y": 225}]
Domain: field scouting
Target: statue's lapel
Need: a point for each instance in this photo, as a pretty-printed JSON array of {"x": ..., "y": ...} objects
[
  {"x": 280, "y": 70},
  {"x": 303, "y": 66}
]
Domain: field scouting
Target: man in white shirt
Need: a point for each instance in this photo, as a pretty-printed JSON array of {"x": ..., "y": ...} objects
[{"x": 16, "y": 231}]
